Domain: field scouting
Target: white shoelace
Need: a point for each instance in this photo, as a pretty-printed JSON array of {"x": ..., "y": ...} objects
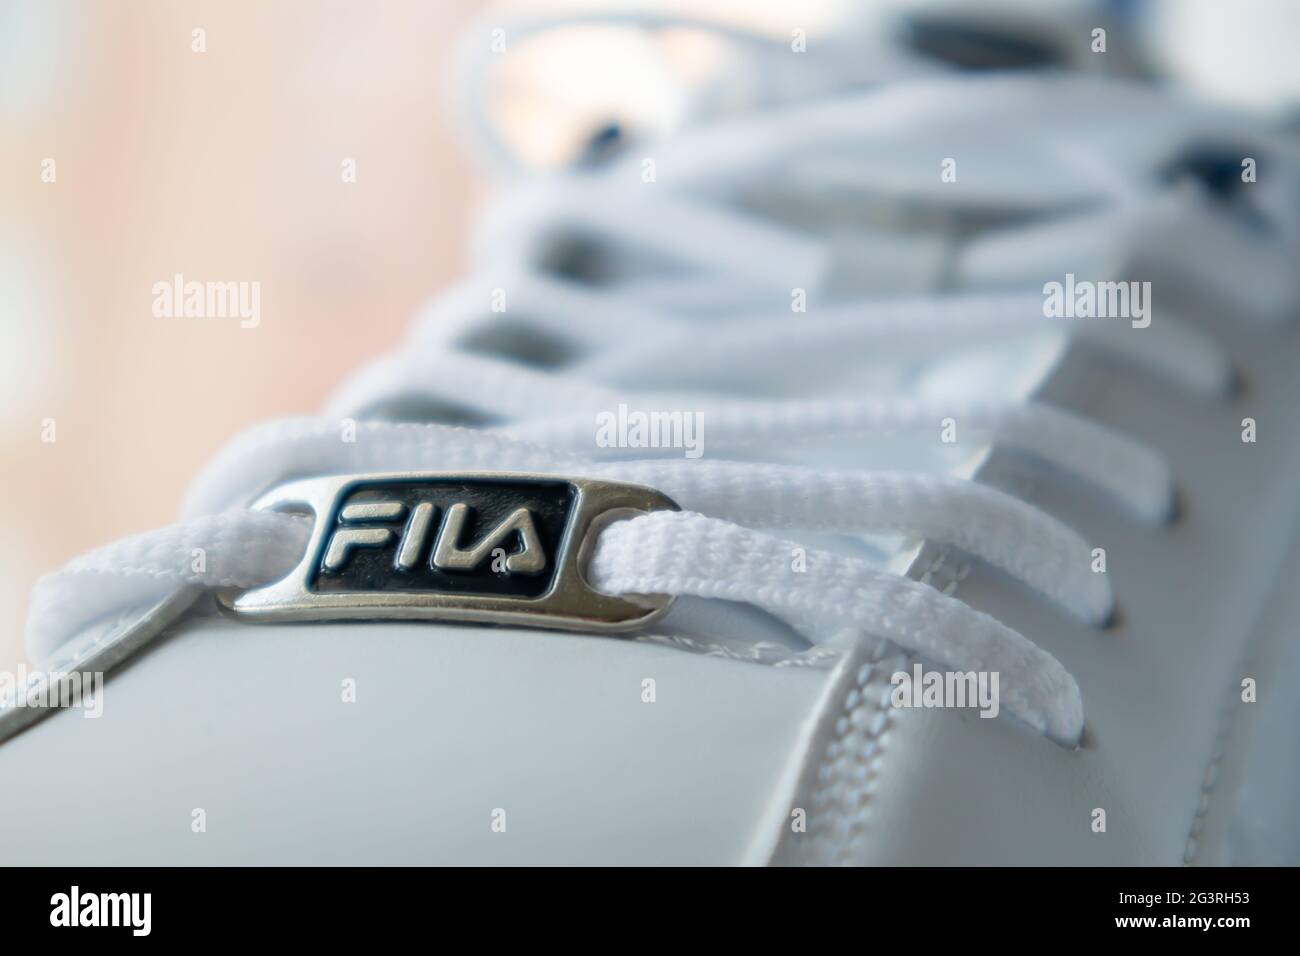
[{"x": 705, "y": 312}]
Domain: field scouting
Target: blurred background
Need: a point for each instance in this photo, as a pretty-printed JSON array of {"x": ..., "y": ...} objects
[{"x": 129, "y": 155}]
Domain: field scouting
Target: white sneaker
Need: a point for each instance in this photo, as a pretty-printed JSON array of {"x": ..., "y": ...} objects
[{"x": 886, "y": 456}]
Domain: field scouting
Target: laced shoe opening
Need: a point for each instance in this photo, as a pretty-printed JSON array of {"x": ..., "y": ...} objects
[
  {"x": 523, "y": 343},
  {"x": 970, "y": 45}
]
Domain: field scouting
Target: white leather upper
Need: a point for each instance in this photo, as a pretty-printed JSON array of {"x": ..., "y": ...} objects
[
  {"x": 450, "y": 723},
  {"x": 1161, "y": 689}
]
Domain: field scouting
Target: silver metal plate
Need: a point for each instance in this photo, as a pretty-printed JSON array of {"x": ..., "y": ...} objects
[{"x": 491, "y": 547}]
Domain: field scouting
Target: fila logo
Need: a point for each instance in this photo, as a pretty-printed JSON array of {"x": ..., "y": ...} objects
[
  {"x": 485, "y": 547},
  {"x": 448, "y": 554},
  {"x": 464, "y": 537}
]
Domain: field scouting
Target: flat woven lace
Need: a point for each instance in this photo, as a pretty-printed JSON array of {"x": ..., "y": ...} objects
[{"x": 691, "y": 313}]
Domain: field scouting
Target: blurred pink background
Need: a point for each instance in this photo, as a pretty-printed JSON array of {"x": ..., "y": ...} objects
[{"x": 223, "y": 165}]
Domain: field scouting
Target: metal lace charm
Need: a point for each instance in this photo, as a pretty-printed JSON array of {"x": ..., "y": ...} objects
[{"x": 489, "y": 547}]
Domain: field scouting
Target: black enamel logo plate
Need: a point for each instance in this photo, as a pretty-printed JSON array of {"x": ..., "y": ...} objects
[{"x": 491, "y": 547}]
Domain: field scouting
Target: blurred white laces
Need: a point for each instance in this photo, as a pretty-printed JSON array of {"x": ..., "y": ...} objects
[{"x": 695, "y": 238}]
